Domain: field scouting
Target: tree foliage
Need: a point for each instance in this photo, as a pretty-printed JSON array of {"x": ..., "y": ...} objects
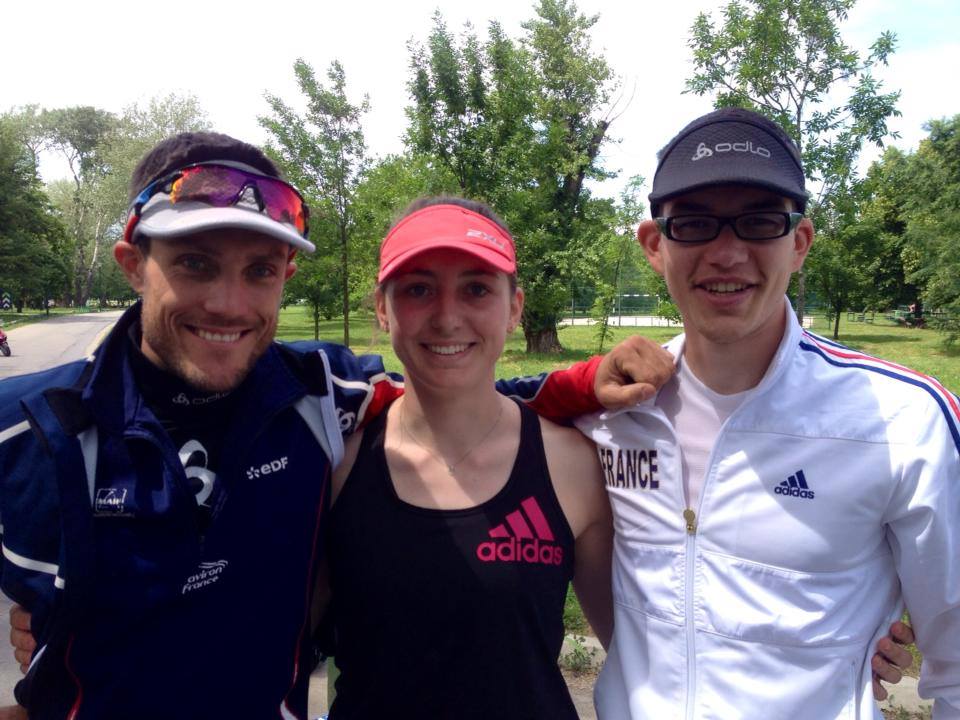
[
  {"x": 617, "y": 259},
  {"x": 101, "y": 150},
  {"x": 840, "y": 262},
  {"x": 786, "y": 59},
  {"x": 31, "y": 234},
  {"x": 520, "y": 124},
  {"x": 932, "y": 213},
  {"x": 894, "y": 242},
  {"x": 324, "y": 153}
]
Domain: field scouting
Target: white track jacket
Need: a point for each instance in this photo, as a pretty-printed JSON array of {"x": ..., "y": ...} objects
[{"x": 832, "y": 496}]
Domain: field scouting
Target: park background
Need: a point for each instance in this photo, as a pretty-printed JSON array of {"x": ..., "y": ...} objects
[{"x": 551, "y": 111}]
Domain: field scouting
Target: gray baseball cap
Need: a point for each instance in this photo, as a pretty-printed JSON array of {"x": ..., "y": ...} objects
[{"x": 729, "y": 146}]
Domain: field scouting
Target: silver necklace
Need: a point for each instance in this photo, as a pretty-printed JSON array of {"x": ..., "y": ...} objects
[{"x": 449, "y": 466}]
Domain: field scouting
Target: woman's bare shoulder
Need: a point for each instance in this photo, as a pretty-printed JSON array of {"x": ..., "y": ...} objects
[{"x": 351, "y": 448}]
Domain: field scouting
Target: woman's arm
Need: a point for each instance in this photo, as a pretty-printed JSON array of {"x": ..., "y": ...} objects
[{"x": 575, "y": 472}]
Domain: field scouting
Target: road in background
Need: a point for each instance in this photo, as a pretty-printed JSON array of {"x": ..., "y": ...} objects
[{"x": 60, "y": 339}]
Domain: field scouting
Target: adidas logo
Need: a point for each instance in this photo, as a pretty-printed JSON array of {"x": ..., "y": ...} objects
[
  {"x": 524, "y": 537},
  {"x": 795, "y": 486}
]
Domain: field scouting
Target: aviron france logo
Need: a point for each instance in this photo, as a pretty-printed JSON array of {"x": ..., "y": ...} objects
[
  {"x": 207, "y": 574},
  {"x": 795, "y": 486},
  {"x": 524, "y": 537}
]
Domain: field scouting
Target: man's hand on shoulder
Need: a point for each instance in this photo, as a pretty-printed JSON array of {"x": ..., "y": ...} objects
[
  {"x": 632, "y": 372},
  {"x": 21, "y": 638},
  {"x": 891, "y": 658}
]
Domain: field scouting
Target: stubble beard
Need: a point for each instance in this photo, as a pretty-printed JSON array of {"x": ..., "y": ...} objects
[{"x": 174, "y": 360}]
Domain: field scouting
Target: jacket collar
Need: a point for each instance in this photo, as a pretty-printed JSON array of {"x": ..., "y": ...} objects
[
  {"x": 112, "y": 396},
  {"x": 781, "y": 358}
]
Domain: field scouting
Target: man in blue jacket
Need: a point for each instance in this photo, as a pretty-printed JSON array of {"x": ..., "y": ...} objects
[{"x": 160, "y": 494}]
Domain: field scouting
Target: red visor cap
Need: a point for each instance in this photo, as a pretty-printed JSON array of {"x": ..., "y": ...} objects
[{"x": 450, "y": 227}]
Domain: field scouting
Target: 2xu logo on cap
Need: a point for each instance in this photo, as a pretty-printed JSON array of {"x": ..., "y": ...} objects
[{"x": 725, "y": 147}]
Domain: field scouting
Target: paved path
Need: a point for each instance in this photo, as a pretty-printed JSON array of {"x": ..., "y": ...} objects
[{"x": 60, "y": 339}]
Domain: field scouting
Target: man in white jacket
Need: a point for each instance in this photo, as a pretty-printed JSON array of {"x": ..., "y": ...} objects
[{"x": 781, "y": 498}]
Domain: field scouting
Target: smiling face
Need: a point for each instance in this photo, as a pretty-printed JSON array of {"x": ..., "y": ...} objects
[
  {"x": 728, "y": 290},
  {"x": 449, "y": 315},
  {"x": 210, "y": 302}
]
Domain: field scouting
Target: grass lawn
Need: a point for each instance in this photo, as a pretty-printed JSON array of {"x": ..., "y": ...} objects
[{"x": 920, "y": 349}]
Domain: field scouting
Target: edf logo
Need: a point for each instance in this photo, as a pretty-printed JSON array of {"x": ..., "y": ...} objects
[{"x": 267, "y": 468}]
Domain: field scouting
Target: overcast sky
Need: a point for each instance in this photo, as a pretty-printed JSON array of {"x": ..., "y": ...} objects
[{"x": 58, "y": 53}]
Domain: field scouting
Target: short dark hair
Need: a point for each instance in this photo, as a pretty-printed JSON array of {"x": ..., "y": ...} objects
[{"x": 189, "y": 148}]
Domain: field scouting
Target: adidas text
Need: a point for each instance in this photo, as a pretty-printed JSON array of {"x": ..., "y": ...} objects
[
  {"x": 513, "y": 550},
  {"x": 794, "y": 492}
]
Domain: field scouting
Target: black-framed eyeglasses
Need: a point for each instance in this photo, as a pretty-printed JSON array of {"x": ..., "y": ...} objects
[{"x": 752, "y": 226}]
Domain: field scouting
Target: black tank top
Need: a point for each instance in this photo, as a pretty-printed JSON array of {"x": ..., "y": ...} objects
[{"x": 450, "y": 613}]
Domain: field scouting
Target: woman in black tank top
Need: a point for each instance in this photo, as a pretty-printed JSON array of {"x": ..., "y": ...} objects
[{"x": 459, "y": 517}]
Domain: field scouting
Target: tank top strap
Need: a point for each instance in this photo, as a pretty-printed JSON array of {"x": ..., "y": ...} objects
[
  {"x": 369, "y": 473},
  {"x": 531, "y": 456}
]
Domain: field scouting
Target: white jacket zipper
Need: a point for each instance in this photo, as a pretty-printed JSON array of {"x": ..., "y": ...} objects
[{"x": 690, "y": 519}]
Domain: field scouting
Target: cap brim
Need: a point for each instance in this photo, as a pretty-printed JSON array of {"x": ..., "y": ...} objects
[
  {"x": 169, "y": 221},
  {"x": 706, "y": 181},
  {"x": 488, "y": 256}
]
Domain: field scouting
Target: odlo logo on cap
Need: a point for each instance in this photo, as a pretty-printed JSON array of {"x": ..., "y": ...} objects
[
  {"x": 524, "y": 537},
  {"x": 724, "y": 147}
]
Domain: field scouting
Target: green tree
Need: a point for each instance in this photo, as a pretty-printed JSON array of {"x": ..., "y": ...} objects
[
  {"x": 615, "y": 257},
  {"x": 886, "y": 191},
  {"x": 520, "y": 125},
  {"x": 932, "y": 211},
  {"x": 28, "y": 123},
  {"x": 841, "y": 260},
  {"x": 78, "y": 134},
  {"x": 324, "y": 153},
  {"x": 30, "y": 232},
  {"x": 385, "y": 189},
  {"x": 786, "y": 59},
  {"x": 101, "y": 150}
]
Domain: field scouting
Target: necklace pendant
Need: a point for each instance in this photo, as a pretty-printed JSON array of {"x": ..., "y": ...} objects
[{"x": 450, "y": 469}]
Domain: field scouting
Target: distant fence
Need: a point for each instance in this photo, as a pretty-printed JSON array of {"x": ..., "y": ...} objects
[{"x": 625, "y": 321}]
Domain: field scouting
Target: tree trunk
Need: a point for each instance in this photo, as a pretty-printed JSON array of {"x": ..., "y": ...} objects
[
  {"x": 541, "y": 335},
  {"x": 92, "y": 267},
  {"x": 836, "y": 323}
]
